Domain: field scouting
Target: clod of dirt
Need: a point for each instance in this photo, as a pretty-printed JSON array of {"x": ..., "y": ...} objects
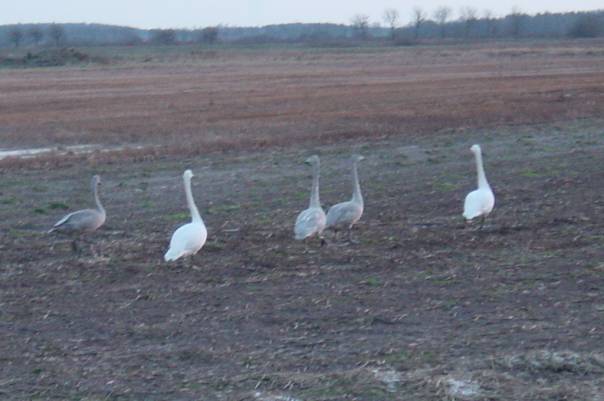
[
  {"x": 267, "y": 397},
  {"x": 555, "y": 362},
  {"x": 456, "y": 388},
  {"x": 413, "y": 153},
  {"x": 390, "y": 378}
]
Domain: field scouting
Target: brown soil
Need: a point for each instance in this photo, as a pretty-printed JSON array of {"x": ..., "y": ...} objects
[{"x": 243, "y": 99}]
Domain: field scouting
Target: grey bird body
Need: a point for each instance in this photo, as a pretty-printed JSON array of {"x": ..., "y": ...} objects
[
  {"x": 83, "y": 221},
  {"x": 311, "y": 221},
  {"x": 80, "y": 222},
  {"x": 346, "y": 214}
]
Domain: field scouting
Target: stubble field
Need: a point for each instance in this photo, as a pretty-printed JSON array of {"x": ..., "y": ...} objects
[{"x": 422, "y": 308}]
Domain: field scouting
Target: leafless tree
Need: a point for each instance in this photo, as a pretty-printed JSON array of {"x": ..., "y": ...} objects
[
  {"x": 209, "y": 35},
  {"x": 489, "y": 20},
  {"x": 163, "y": 36},
  {"x": 516, "y": 21},
  {"x": 441, "y": 15},
  {"x": 36, "y": 35},
  {"x": 391, "y": 18},
  {"x": 15, "y": 35},
  {"x": 468, "y": 16},
  {"x": 586, "y": 26},
  {"x": 419, "y": 16},
  {"x": 360, "y": 26},
  {"x": 56, "y": 33}
]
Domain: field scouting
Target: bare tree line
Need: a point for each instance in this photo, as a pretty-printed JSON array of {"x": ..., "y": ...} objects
[
  {"x": 472, "y": 23},
  {"x": 58, "y": 35},
  {"x": 35, "y": 34},
  {"x": 443, "y": 23}
]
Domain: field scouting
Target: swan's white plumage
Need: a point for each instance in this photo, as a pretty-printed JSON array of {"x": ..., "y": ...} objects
[
  {"x": 346, "y": 214},
  {"x": 311, "y": 221},
  {"x": 481, "y": 201},
  {"x": 478, "y": 203},
  {"x": 188, "y": 239}
]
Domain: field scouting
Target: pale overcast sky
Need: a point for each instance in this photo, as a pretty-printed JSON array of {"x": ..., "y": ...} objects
[{"x": 191, "y": 13}]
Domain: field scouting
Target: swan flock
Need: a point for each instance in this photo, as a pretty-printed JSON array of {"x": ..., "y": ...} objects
[{"x": 189, "y": 238}]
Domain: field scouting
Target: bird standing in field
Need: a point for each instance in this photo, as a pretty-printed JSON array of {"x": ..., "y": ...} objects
[
  {"x": 188, "y": 239},
  {"x": 480, "y": 202},
  {"x": 82, "y": 222},
  {"x": 346, "y": 214},
  {"x": 311, "y": 222}
]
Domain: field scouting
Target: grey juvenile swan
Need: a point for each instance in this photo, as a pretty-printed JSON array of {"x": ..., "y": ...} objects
[
  {"x": 346, "y": 214},
  {"x": 83, "y": 221},
  {"x": 311, "y": 221}
]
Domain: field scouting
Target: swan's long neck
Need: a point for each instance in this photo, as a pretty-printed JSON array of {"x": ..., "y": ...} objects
[
  {"x": 482, "y": 178},
  {"x": 314, "y": 193},
  {"x": 95, "y": 191},
  {"x": 356, "y": 187},
  {"x": 191, "y": 203}
]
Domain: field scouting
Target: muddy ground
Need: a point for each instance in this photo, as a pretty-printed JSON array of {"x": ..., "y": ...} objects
[{"x": 420, "y": 308}]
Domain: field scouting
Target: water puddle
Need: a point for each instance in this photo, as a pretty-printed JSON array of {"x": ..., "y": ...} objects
[{"x": 59, "y": 150}]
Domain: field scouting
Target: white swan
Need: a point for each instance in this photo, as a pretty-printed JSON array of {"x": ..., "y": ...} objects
[
  {"x": 83, "y": 221},
  {"x": 346, "y": 214},
  {"x": 311, "y": 221},
  {"x": 480, "y": 202},
  {"x": 188, "y": 239}
]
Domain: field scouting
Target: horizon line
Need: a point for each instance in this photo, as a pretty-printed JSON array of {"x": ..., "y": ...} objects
[{"x": 226, "y": 25}]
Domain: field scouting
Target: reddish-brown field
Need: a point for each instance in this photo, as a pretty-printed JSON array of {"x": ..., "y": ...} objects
[
  {"x": 239, "y": 99},
  {"x": 421, "y": 308}
]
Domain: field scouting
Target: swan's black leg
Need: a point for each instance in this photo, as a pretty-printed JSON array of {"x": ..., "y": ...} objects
[
  {"x": 350, "y": 239},
  {"x": 93, "y": 250}
]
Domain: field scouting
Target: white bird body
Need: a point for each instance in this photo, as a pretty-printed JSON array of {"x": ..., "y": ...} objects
[
  {"x": 311, "y": 221},
  {"x": 346, "y": 214},
  {"x": 83, "y": 221},
  {"x": 480, "y": 202},
  {"x": 188, "y": 239}
]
